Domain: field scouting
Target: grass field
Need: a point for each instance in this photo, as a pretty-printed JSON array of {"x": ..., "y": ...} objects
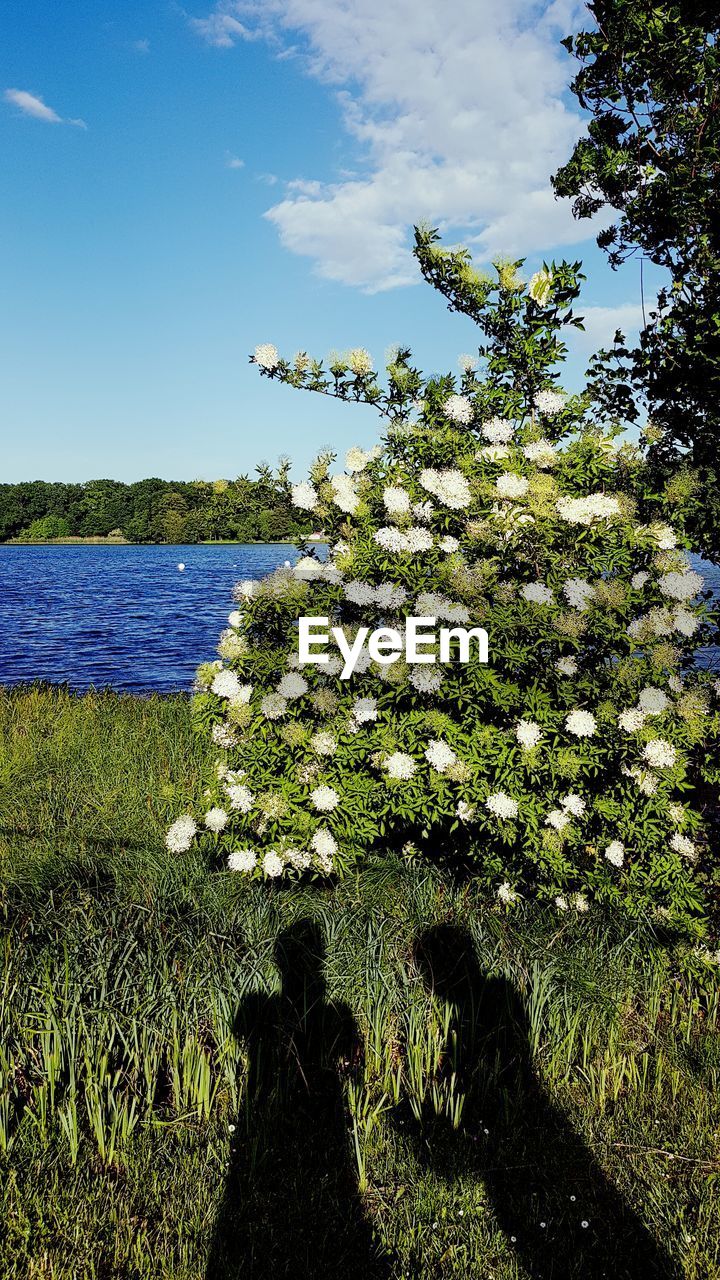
[{"x": 387, "y": 1078}]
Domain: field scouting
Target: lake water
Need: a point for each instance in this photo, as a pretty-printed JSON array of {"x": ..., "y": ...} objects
[{"x": 125, "y": 616}]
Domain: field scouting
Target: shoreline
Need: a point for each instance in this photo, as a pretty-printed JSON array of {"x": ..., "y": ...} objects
[{"x": 122, "y": 542}]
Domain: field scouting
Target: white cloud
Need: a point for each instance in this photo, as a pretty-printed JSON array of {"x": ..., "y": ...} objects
[
  {"x": 30, "y": 105},
  {"x": 141, "y": 46},
  {"x": 234, "y": 162},
  {"x": 459, "y": 117},
  {"x": 601, "y": 324}
]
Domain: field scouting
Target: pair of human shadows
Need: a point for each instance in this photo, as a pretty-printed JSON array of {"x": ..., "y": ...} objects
[
  {"x": 291, "y": 1205},
  {"x": 548, "y": 1193}
]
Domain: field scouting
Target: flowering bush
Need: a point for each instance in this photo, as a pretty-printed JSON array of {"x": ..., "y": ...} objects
[{"x": 570, "y": 767}]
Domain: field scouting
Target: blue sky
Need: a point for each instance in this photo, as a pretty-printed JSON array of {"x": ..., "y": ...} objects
[{"x": 180, "y": 184}]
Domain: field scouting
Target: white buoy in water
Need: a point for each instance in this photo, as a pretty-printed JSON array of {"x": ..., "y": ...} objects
[
  {"x": 181, "y": 567},
  {"x": 287, "y": 564}
]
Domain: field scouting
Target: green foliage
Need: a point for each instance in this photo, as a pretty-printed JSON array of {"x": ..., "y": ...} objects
[
  {"x": 244, "y": 510},
  {"x": 574, "y": 767},
  {"x": 650, "y": 77}
]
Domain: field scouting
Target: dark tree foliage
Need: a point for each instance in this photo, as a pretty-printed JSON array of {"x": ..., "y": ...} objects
[
  {"x": 650, "y": 77},
  {"x": 156, "y": 510}
]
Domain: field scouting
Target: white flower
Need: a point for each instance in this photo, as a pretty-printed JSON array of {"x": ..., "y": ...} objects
[
  {"x": 681, "y": 586},
  {"x": 181, "y": 834},
  {"x": 222, "y": 735},
  {"x": 663, "y": 535},
  {"x": 431, "y": 604},
  {"x": 511, "y": 485},
  {"x": 439, "y": 755},
  {"x": 449, "y": 486},
  {"x": 323, "y": 744},
  {"x": 580, "y": 903},
  {"x": 242, "y": 860},
  {"x": 390, "y": 539},
  {"x": 360, "y": 361},
  {"x": 325, "y": 848},
  {"x": 574, "y": 804},
  {"x": 528, "y": 734},
  {"x": 541, "y": 452},
  {"x": 638, "y": 580},
  {"x": 423, "y": 511},
  {"x": 396, "y": 499},
  {"x": 272, "y": 865},
  {"x": 498, "y": 430},
  {"x": 216, "y": 819},
  {"x": 235, "y": 618},
  {"x": 615, "y": 853},
  {"x": 458, "y": 409},
  {"x": 581, "y": 723},
  {"x": 365, "y": 709},
  {"x": 578, "y": 592},
  {"x": 298, "y": 858},
  {"x": 325, "y": 799},
  {"x": 240, "y": 797},
  {"x": 417, "y": 539},
  {"x": 266, "y": 355},
  {"x": 540, "y": 286},
  {"x": 226, "y": 685},
  {"x": 399, "y": 766},
  {"x": 426, "y": 679},
  {"x": 646, "y": 782},
  {"x": 292, "y": 685},
  {"x": 566, "y": 666},
  {"x": 345, "y": 495},
  {"x": 684, "y": 622},
  {"x": 631, "y": 720},
  {"x": 596, "y": 506},
  {"x": 273, "y": 706},
  {"x": 506, "y": 894},
  {"x": 501, "y": 805},
  {"x": 304, "y": 496},
  {"x": 388, "y": 595},
  {"x": 561, "y": 902},
  {"x": 557, "y": 818},
  {"x": 467, "y": 363},
  {"x": 549, "y": 402},
  {"x": 686, "y": 848},
  {"x": 677, "y": 814},
  {"x": 653, "y": 701},
  {"x": 361, "y": 593},
  {"x": 448, "y": 544},
  {"x": 244, "y": 590},
  {"x": 465, "y": 811},
  {"x": 659, "y": 753},
  {"x": 536, "y": 593}
]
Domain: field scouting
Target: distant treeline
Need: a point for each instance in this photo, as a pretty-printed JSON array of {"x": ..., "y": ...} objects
[{"x": 155, "y": 510}]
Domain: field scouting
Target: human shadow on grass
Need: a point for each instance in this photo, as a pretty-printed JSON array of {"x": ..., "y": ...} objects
[
  {"x": 291, "y": 1205},
  {"x": 548, "y": 1193}
]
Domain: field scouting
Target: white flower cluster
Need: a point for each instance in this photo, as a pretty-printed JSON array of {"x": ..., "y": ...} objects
[
  {"x": 226, "y": 684},
  {"x": 266, "y": 355},
  {"x": 293, "y": 685},
  {"x": 578, "y": 593},
  {"x": 581, "y": 724},
  {"x": 615, "y": 853},
  {"x": 541, "y": 452},
  {"x": 360, "y": 361},
  {"x": 397, "y": 541},
  {"x": 596, "y": 506},
  {"x": 511, "y": 485},
  {"x": 386, "y": 595},
  {"x": 305, "y": 496},
  {"x": 356, "y": 459},
  {"x": 499, "y": 431},
  {"x": 537, "y": 593},
  {"x": 550, "y": 403},
  {"x": 528, "y": 734},
  {"x": 458, "y": 409},
  {"x": 681, "y": 586},
  {"x": 440, "y": 756},
  {"x": 449, "y": 486},
  {"x": 396, "y": 500},
  {"x": 345, "y": 495},
  {"x": 325, "y": 799},
  {"x": 502, "y": 806},
  {"x": 660, "y": 754},
  {"x": 181, "y": 834},
  {"x": 400, "y": 766},
  {"x": 432, "y": 605}
]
